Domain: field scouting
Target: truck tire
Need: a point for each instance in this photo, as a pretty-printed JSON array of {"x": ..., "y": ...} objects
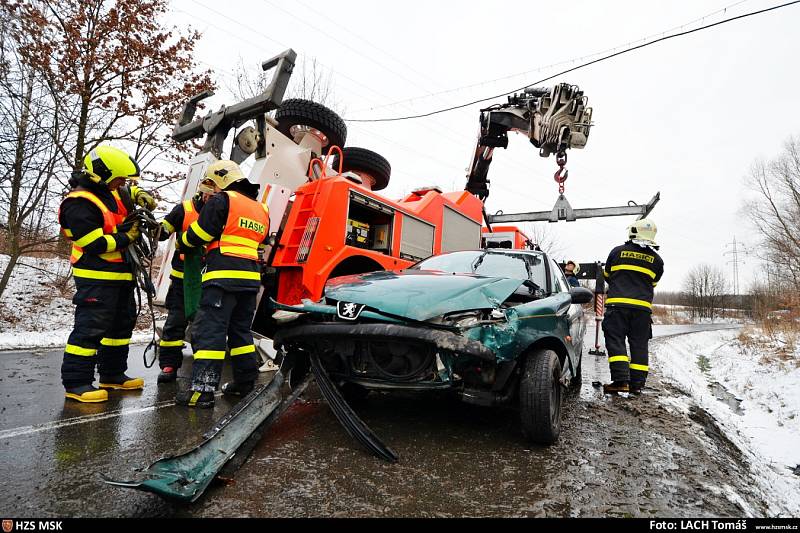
[
  {"x": 298, "y": 112},
  {"x": 356, "y": 159},
  {"x": 540, "y": 393}
]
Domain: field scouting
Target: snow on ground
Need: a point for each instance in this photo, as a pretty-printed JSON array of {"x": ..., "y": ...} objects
[
  {"x": 36, "y": 308},
  {"x": 753, "y": 392}
]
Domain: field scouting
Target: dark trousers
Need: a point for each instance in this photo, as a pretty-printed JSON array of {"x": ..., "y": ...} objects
[
  {"x": 635, "y": 324},
  {"x": 170, "y": 352},
  {"x": 105, "y": 315},
  {"x": 223, "y": 321}
]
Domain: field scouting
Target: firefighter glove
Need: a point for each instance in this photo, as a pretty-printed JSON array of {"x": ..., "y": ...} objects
[
  {"x": 133, "y": 233},
  {"x": 145, "y": 199}
]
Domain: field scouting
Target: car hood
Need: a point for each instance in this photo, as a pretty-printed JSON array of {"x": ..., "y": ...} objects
[{"x": 421, "y": 294}]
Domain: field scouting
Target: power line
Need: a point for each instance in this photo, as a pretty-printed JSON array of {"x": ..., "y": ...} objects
[{"x": 588, "y": 63}]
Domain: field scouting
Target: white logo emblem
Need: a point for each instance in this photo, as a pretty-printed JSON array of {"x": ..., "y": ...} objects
[{"x": 348, "y": 310}]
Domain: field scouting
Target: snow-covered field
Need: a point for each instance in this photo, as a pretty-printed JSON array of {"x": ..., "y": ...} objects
[
  {"x": 753, "y": 392},
  {"x": 36, "y": 308}
]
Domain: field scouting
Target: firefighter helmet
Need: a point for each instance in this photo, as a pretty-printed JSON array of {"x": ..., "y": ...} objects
[
  {"x": 576, "y": 267},
  {"x": 105, "y": 163},
  {"x": 224, "y": 172},
  {"x": 643, "y": 230}
]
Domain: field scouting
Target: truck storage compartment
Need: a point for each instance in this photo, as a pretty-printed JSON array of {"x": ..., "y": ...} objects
[
  {"x": 416, "y": 238},
  {"x": 369, "y": 224},
  {"x": 459, "y": 232}
]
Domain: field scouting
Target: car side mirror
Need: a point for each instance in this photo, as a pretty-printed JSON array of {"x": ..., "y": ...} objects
[{"x": 581, "y": 295}]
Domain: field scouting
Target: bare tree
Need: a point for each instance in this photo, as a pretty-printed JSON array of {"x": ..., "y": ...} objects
[
  {"x": 775, "y": 210},
  {"x": 542, "y": 236},
  {"x": 310, "y": 81},
  {"x": 705, "y": 290},
  {"x": 28, "y": 126}
]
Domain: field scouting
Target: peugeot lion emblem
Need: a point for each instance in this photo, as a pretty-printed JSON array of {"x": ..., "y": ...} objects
[{"x": 348, "y": 310}]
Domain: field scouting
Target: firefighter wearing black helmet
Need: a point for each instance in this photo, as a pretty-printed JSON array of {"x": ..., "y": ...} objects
[{"x": 91, "y": 216}]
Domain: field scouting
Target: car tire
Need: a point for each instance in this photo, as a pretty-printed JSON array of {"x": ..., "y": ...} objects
[
  {"x": 540, "y": 395},
  {"x": 356, "y": 159},
  {"x": 298, "y": 112}
]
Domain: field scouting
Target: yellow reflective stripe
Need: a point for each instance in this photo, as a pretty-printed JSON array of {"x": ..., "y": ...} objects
[
  {"x": 98, "y": 274},
  {"x": 111, "y": 244},
  {"x": 635, "y": 269},
  {"x": 68, "y": 232},
  {"x": 655, "y": 283},
  {"x": 188, "y": 207},
  {"x": 241, "y": 250},
  {"x": 89, "y": 238},
  {"x": 235, "y": 239},
  {"x": 243, "y": 349},
  {"x": 170, "y": 344},
  {"x": 231, "y": 274},
  {"x": 75, "y": 254},
  {"x": 209, "y": 354},
  {"x": 111, "y": 256},
  {"x": 77, "y": 350},
  {"x": 605, "y": 274},
  {"x": 631, "y": 301},
  {"x": 105, "y": 341},
  {"x": 185, "y": 241},
  {"x": 618, "y": 358},
  {"x": 167, "y": 226},
  {"x": 194, "y": 398},
  {"x": 642, "y": 368},
  {"x": 201, "y": 232},
  {"x": 91, "y": 197},
  {"x": 176, "y": 273}
]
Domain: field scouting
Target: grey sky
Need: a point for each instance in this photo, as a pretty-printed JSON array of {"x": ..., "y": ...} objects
[{"x": 686, "y": 117}]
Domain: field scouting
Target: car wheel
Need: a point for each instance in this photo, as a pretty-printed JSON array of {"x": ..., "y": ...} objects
[
  {"x": 361, "y": 159},
  {"x": 296, "y": 115},
  {"x": 353, "y": 393},
  {"x": 540, "y": 392}
]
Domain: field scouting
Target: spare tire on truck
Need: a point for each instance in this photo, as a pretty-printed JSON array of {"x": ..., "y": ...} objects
[
  {"x": 296, "y": 115},
  {"x": 363, "y": 160}
]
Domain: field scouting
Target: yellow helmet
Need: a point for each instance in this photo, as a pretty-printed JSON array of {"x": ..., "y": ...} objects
[
  {"x": 104, "y": 163},
  {"x": 643, "y": 230},
  {"x": 224, "y": 172}
]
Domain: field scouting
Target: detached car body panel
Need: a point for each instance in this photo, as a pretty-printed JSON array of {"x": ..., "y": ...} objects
[{"x": 463, "y": 320}]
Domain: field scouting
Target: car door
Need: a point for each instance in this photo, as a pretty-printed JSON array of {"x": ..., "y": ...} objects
[{"x": 577, "y": 326}]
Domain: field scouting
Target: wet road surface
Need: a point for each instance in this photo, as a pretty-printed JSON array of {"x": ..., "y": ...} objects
[{"x": 615, "y": 457}]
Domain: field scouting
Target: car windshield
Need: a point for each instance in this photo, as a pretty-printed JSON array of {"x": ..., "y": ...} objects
[{"x": 488, "y": 263}]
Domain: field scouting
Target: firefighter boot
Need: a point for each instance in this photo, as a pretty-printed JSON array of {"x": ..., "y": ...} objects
[
  {"x": 121, "y": 382},
  {"x": 234, "y": 388},
  {"x": 636, "y": 388},
  {"x": 87, "y": 394},
  {"x": 168, "y": 374},
  {"x": 193, "y": 398},
  {"x": 616, "y": 386}
]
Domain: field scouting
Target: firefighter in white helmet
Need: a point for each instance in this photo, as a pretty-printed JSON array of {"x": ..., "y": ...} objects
[
  {"x": 233, "y": 226},
  {"x": 632, "y": 271}
]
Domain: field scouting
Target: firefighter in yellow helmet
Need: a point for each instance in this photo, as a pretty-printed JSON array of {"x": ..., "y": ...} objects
[
  {"x": 105, "y": 310},
  {"x": 183, "y": 215},
  {"x": 233, "y": 225},
  {"x": 632, "y": 271}
]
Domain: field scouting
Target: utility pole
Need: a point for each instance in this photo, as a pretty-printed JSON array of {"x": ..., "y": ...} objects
[{"x": 735, "y": 251}]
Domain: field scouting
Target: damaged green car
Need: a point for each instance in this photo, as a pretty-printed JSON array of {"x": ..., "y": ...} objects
[{"x": 496, "y": 326}]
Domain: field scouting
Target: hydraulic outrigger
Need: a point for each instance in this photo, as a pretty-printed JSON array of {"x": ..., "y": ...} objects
[{"x": 554, "y": 119}]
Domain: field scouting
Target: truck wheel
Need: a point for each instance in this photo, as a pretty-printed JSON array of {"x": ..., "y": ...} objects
[
  {"x": 296, "y": 115},
  {"x": 361, "y": 159},
  {"x": 540, "y": 393}
]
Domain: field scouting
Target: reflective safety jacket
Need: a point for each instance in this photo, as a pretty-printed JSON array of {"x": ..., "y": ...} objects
[
  {"x": 234, "y": 227},
  {"x": 632, "y": 271},
  {"x": 180, "y": 218},
  {"x": 89, "y": 218}
]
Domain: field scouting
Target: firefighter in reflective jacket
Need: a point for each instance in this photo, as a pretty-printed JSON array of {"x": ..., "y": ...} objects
[
  {"x": 91, "y": 217},
  {"x": 632, "y": 271},
  {"x": 186, "y": 213},
  {"x": 233, "y": 226}
]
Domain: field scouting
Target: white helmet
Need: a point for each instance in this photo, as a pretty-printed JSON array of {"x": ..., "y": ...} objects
[{"x": 643, "y": 230}]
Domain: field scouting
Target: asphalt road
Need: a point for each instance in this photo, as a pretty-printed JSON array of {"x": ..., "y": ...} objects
[{"x": 616, "y": 457}]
